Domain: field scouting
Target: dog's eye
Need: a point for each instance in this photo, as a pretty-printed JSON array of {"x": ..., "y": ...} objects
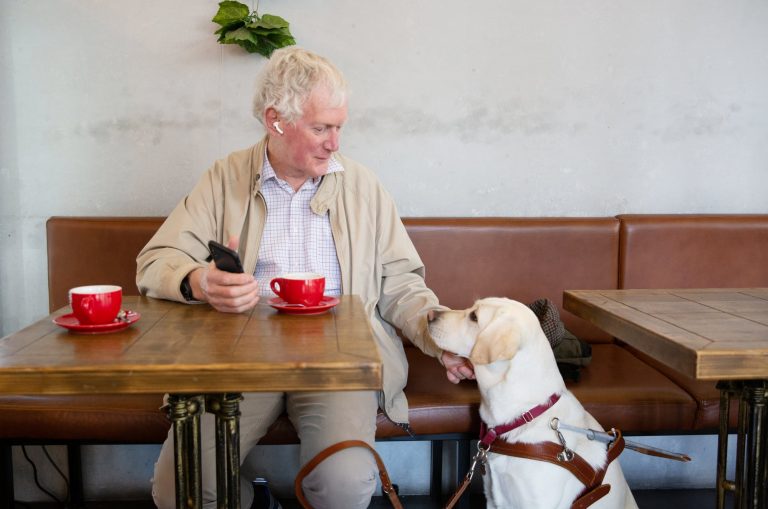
[{"x": 473, "y": 316}]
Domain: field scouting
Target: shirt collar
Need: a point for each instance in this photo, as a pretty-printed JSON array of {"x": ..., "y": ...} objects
[{"x": 268, "y": 172}]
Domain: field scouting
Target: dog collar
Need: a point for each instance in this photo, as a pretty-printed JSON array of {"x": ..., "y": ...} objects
[{"x": 488, "y": 435}]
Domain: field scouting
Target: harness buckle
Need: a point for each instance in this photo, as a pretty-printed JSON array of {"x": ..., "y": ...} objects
[
  {"x": 566, "y": 454},
  {"x": 480, "y": 459}
]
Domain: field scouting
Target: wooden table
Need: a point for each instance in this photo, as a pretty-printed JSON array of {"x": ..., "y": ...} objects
[
  {"x": 205, "y": 360},
  {"x": 708, "y": 334}
]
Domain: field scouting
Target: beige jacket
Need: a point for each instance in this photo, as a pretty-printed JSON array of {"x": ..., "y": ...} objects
[{"x": 378, "y": 261}]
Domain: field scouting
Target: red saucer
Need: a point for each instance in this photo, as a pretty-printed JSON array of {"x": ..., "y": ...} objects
[
  {"x": 70, "y": 322},
  {"x": 324, "y": 305}
]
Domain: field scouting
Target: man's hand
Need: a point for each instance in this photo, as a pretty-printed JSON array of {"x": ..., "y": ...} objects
[
  {"x": 457, "y": 368},
  {"x": 225, "y": 291}
]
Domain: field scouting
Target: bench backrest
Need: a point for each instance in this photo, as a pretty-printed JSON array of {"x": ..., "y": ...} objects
[
  {"x": 521, "y": 258},
  {"x": 693, "y": 251},
  {"x": 467, "y": 258},
  {"x": 94, "y": 250}
]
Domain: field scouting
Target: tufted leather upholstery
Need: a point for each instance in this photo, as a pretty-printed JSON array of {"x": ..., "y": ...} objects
[
  {"x": 699, "y": 251},
  {"x": 94, "y": 250},
  {"x": 124, "y": 419},
  {"x": 466, "y": 258},
  {"x": 521, "y": 258},
  {"x": 526, "y": 259}
]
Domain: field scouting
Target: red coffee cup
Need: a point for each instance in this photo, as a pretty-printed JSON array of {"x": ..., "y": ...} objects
[
  {"x": 303, "y": 288},
  {"x": 96, "y": 304}
]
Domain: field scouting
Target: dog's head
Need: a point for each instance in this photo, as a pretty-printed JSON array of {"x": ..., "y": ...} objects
[{"x": 492, "y": 329}]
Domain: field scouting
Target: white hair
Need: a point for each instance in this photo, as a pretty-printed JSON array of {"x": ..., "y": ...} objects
[{"x": 289, "y": 78}]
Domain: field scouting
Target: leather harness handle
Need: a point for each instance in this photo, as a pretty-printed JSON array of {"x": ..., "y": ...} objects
[{"x": 386, "y": 483}]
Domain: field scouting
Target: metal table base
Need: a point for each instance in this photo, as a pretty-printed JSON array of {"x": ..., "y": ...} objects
[
  {"x": 184, "y": 412},
  {"x": 750, "y": 485}
]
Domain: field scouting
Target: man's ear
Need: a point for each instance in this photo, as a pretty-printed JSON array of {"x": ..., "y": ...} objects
[
  {"x": 498, "y": 341},
  {"x": 270, "y": 115}
]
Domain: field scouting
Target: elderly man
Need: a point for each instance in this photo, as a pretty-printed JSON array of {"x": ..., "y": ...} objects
[{"x": 292, "y": 203}]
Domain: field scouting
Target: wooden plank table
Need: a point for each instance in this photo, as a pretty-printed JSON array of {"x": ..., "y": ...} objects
[
  {"x": 205, "y": 360},
  {"x": 709, "y": 334}
]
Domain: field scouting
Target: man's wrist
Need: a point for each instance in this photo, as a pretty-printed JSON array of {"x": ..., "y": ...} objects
[{"x": 186, "y": 289}]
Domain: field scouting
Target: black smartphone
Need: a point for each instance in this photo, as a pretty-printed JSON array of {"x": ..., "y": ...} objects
[{"x": 224, "y": 258}]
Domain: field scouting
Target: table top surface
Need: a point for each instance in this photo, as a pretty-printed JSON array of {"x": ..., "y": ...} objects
[
  {"x": 193, "y": 349},
  {"x": 709, "y": 334}
]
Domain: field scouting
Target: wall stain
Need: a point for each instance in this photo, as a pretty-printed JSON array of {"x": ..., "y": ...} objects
[
  {"x": 477, "y": 122},
  {"x": 144, "y": 129}
]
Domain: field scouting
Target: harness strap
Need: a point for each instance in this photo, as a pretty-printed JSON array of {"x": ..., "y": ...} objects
[
  {"x": 386, "y": 483},
  {"x": 488, "y": 435},
  {"x": 592, "y": 479},
  {"x": 590, "y": 497},
  {"x": 548, "y": 451}
]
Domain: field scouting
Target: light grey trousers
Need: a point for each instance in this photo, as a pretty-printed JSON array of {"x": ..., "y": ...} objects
[{"x": 346, "y": 480}]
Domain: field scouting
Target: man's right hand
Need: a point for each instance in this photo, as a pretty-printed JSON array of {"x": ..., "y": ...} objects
[
  {"x": 225, "y": 291},
  {"x": 457, "y": 368}
]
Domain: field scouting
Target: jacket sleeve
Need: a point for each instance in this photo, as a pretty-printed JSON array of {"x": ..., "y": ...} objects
[
  {"x": 181, "y": 243},
  {"x": 404, "y": 300}
]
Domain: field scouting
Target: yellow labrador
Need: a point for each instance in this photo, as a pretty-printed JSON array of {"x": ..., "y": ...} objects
[{"x": 519, "y": 383}]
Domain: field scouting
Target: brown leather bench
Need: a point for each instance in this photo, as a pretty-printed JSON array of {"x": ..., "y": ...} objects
[{"x": 466, "y": 258}]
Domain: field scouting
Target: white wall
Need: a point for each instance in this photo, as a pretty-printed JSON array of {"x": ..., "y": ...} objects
[{"x": 489, "y": 108}]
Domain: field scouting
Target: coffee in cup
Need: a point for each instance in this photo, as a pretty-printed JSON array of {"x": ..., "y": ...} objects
[
  {"x": 96, "y": 304},
  {"x": 300, "y": 288}
]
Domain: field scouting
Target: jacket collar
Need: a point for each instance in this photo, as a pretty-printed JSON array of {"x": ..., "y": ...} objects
[{"x": 326, "y": 193}]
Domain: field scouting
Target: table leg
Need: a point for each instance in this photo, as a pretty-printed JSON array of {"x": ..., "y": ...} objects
[
  {"x": 741, "y": 452},
  {"x": 751, "y": 483},
  {"x": 184, "y": 413},
  {"x": 727, "y": 391},
  {"x": 226, "y": 407},
  {"x": 755, "y": 488}
]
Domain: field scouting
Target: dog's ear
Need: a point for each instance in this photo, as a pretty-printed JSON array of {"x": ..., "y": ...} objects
[{"x": 498, "y": 341}]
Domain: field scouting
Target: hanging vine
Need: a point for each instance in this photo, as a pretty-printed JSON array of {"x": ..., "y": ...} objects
[{"x": 256, "y": 34}]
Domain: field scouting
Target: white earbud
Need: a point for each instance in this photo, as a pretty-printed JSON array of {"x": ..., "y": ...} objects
[{"x": 276, "y": 125}]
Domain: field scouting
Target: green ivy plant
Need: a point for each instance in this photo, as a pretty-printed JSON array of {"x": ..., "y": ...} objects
[{"x": 256, "y": 34}]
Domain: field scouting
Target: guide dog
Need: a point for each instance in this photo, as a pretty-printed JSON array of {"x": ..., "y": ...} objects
[{"x": 519, "y": 383}]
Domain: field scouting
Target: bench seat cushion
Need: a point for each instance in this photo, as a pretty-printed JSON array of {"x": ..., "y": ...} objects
[
  {"x": 617, "y": 388},
  {"x": 124, "y": 419},
  {"x": 704, "y": 392},
  {"x": 622, "y": 391}
]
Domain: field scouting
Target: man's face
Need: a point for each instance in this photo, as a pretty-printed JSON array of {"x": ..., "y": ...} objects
[{"x": 306, "y": 146}]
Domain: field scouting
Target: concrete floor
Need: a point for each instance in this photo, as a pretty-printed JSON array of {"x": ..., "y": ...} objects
[
  {"x": 646, "y": 499},
  {"x": 117, "y": 475}
]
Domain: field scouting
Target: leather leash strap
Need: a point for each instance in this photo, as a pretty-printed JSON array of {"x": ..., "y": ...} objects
[
  {"x": 386, "y": 483},
  {"x": 459, "y": 492},
  {"x": 592, "y": 479}
]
